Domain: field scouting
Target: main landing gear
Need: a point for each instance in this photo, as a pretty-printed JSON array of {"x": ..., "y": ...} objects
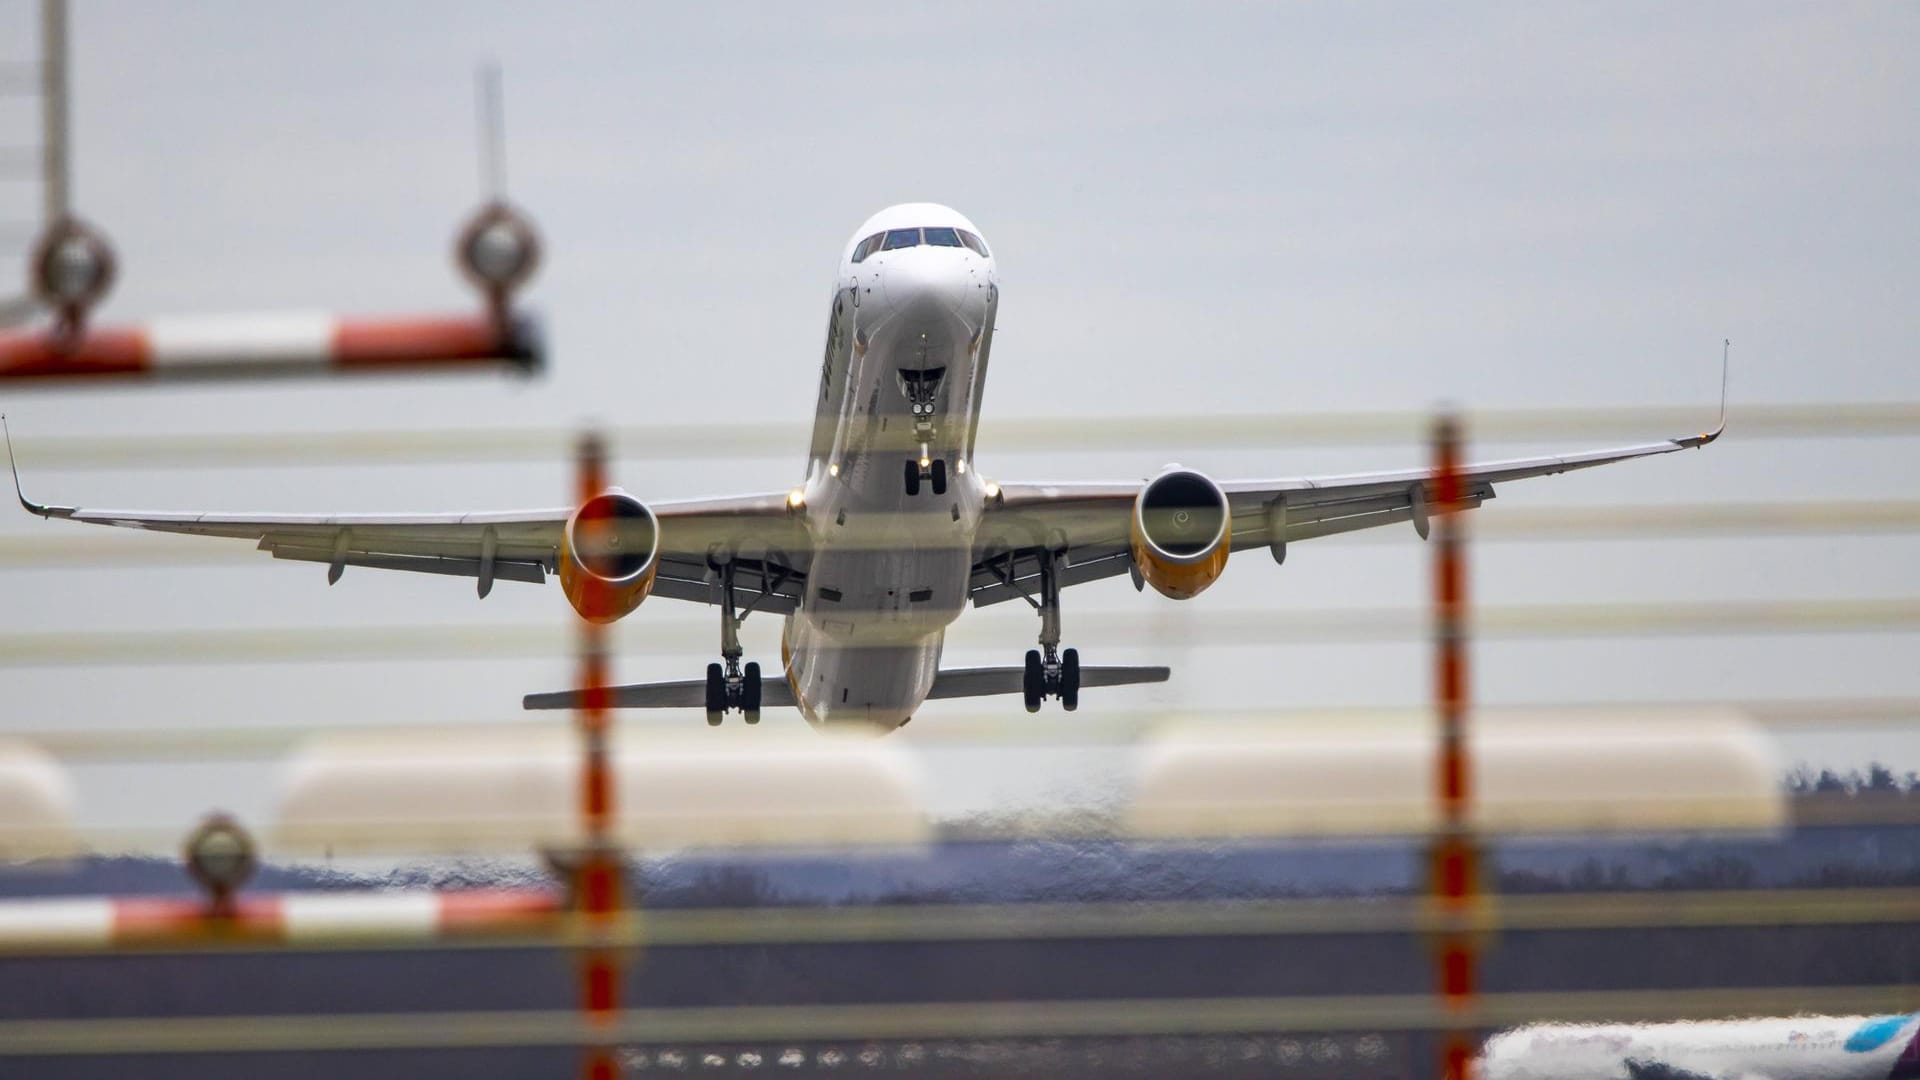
[
  {"x": 731, "y": 684},
  {"x": 1055, "y": 673},
  {"x": 735, "y": 686},
  {"x": 931, "y": 471},
  {"x": 1050, "y": 671}
]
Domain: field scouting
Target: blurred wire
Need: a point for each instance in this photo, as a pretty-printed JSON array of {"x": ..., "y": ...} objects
[
  {"x": 929, "y": 1020},
  {"x": 1243, "y": 628},
  {"x": 429, "y": 838},
  {"x": 1109, "y": 727},
  {"x": 701, "y": 928},
  {"x": 1064, "y": 434}
]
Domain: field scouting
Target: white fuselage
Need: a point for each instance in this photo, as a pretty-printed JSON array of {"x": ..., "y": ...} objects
[
  {"x": 901, "y": 380},
  {"x": 1795, "y": 1048}
]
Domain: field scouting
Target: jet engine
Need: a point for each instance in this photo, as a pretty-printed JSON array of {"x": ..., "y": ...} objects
[
  {"x": 609, "y": 554},
  {"x": 1182, "y": 530}
]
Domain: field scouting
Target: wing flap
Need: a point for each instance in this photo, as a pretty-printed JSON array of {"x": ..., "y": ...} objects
[{"x": 503, "y": 569}]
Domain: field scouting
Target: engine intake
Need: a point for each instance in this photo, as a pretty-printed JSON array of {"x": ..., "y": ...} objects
[
  {"x": 1181, "y": 534},
  {"x": 609, "y": 554}
]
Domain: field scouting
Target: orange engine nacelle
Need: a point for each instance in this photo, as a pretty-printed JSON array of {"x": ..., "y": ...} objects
[
  {"x": 609, "y": 554},
  {"x": 1182, "y": 531}
]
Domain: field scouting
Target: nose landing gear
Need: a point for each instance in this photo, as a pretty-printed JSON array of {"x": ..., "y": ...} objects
[{"x": 921, "y": 387}]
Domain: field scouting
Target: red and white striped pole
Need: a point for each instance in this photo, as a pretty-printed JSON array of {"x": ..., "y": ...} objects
[
  {"x": 597, "y": 886},
  {"x": 265, "y": 346},
  {"x": 299, "y": 918},
  {"x": 1455, "y": 866}
]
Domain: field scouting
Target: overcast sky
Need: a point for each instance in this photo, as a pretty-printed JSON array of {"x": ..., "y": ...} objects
[{"x": 1231, "y": 209}]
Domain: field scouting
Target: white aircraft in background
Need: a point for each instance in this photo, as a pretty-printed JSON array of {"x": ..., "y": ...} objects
[
  {"x": 1795, "y": 1048},
  {"x": 893, "y": 531}
]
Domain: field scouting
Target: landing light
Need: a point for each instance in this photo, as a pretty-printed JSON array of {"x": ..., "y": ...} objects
[
  {"x": 960, "y": 466},
  {"x": 926, "y": 462},
  {"x": 833, "y": 469},
  {"x": 796, "y": 499},
  {"x": 993, "y": 490}
]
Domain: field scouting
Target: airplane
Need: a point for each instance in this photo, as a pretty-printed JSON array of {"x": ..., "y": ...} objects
[
  {"x": 1787, "y": 1048},
  {"x": 893, "y": 532}
]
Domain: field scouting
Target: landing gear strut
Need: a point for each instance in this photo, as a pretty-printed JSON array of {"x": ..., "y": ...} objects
[
  {"x": 730, "y": 684},
  {"x": 1051, "y": 671}
]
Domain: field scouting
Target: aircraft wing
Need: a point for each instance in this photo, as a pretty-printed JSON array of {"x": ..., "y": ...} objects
[
  {"x": 512, "y": 546},
  {"x": 1091, "y": 521}
]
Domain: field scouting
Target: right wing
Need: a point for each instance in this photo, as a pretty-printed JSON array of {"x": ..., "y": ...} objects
[
  {"x": 772, "y": 553},
  {"x": 1088, "y": 524},
  {"x": 1086, "y": 527}
]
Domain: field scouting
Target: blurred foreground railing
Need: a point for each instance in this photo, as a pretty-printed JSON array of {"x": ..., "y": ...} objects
[
  {"x": 1060, "y": 434},
  {"x": 288, "y": 644},
  {"x": 933, "y": 1020}
]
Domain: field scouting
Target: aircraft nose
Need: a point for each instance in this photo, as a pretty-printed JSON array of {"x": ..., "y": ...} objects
[{"x": 926, "y": 281}]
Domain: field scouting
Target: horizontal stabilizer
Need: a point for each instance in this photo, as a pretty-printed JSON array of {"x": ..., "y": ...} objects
[
  {"x": 775, "y": 693},
  {"x": 992, "y": 681},
  {"x": 690, "y": 694}
]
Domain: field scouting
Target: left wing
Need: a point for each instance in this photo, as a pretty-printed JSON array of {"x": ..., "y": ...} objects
[
  {"x": 521, "y": 545},
  {"x": 1089, "y": 522}
]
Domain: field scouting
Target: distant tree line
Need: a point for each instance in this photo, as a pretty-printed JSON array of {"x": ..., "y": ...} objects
[{"x": 1876, "y": 780}]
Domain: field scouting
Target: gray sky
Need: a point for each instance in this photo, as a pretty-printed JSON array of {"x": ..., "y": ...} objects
[{"x": 1238, "y": 208}]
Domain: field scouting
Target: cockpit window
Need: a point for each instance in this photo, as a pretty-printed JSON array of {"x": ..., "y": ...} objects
[{"x": 934, "y": 235}]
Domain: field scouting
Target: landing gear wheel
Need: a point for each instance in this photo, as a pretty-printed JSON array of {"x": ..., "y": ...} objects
[
  {"x": 1070, "y": 679},
  {"x": 913, "y": 478},
  {"x": 716, "y": 694},
  {"x": 1033, "y": 684},
  {"x": 940, "y": 476},
  {"x": 750, "y": 693}
]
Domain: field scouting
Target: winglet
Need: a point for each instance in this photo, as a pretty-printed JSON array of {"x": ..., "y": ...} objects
[
  {"x": 30, "y": 506},
  {"x": 1720, "y": 426}
]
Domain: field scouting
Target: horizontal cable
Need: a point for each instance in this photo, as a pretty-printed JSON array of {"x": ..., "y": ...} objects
[
  {"x": 924, "y": 1020},
  {"x": 46, "y": 548},
  {"x": 1063, "y": 434},
  {"x": 702, "y": 928},
  {"x": 1107, "y": 726},
  {"x": 1248, "y": 628}
]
